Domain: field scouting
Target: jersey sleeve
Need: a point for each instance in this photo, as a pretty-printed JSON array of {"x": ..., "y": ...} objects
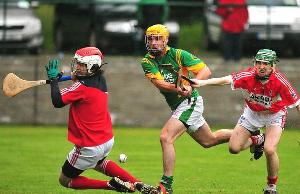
[
  {"x": 189, "y": 61},
  {"x": 56, "y": 95},
  {"x": 236, "y": 83},
  {"x": 240, "y": 79},
  {"x": 73, "y": 93},
  {"x": 150, "y": 70},
  {"x": 288, "y": 94}
]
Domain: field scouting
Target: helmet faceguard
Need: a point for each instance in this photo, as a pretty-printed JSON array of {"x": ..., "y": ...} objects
[
  {"x": 265, "y": 56},
  {"x": 89, "y": 56},
  {"x": 160, "y": 34}
]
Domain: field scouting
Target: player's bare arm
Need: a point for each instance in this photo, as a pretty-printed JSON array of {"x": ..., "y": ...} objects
[
  {"x": 203, "y": 74},
  {"x": 166, "y": 86},
  {"x": 213, "y": 81}
]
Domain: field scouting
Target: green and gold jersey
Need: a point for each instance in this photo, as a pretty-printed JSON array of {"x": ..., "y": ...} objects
[{"x": 168, "y": 67}]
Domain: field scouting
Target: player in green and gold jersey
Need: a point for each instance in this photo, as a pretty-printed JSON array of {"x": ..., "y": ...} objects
[{"x": 163, "y": 66}]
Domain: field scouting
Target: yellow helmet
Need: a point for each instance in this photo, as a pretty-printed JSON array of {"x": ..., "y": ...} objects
[{"x": 157, "y": 30}]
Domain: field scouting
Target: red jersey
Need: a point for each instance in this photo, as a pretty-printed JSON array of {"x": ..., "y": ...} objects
[
  {"x": 273, "y": 96},
  {"x": 89, "y": 119},
  {"x": 234, "y": 15}
]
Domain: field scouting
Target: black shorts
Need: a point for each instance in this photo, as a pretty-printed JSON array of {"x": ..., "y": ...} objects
[{"x": 70, "y": 171}]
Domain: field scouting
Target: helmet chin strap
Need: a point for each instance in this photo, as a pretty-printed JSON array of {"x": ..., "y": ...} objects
[
  {"x": 78, "y": 76},
  {"x": 155, "y": 53}
]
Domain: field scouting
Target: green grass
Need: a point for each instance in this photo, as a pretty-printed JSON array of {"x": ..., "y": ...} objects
[{"x": 32, "y": 156}]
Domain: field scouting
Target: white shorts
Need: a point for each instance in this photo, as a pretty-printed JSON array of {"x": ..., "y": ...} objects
[
  {"x": 87, "y": 157},
  {"x": 190, "y": 113},
  {"x": 253, "y": 121}
]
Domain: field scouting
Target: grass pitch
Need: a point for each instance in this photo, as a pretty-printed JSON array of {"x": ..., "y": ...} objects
[{"x": 32, "y": 156}]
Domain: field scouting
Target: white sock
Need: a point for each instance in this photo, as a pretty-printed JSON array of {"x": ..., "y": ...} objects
[{"x": 271, "y": 187}]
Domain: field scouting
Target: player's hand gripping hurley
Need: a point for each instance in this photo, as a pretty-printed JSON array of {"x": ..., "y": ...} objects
[{"x": 178, "y": 81}]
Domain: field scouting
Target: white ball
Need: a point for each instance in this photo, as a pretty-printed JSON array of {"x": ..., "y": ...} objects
[{"x": 122, "y": 158}]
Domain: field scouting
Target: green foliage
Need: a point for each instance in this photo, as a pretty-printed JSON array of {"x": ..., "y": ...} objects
[
  {"x": 190, "y": 37},
  {"x": 46, "y": 13},
  {"x": 32, "y": 156}
]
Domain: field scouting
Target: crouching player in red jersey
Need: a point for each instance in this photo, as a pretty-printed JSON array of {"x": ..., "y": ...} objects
[
  {"x": 267, "y": 94},
  {"x": 89, "y": 126}
]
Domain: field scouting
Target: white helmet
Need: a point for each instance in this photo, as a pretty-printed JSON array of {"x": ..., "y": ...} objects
[{"x": 91, "y": 57}]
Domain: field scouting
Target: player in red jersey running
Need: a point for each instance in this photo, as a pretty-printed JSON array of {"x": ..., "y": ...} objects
[
  {"x": 267, "y": 94},
  {"x": 89, "y": 126}
]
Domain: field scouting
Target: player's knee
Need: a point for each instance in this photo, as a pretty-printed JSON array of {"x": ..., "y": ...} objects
[
  {"x": 207, "y": 144},
  {"x": 269, "y": 151},
  {"x": 63, "y": 182},
  {"x": 165, "y": 139},
  {"x": 234, "y": 150},
  {"x": 234, "y": 147}
]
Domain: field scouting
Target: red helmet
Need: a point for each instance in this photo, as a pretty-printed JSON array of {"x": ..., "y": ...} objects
[{"x": 91, "y": 57}]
